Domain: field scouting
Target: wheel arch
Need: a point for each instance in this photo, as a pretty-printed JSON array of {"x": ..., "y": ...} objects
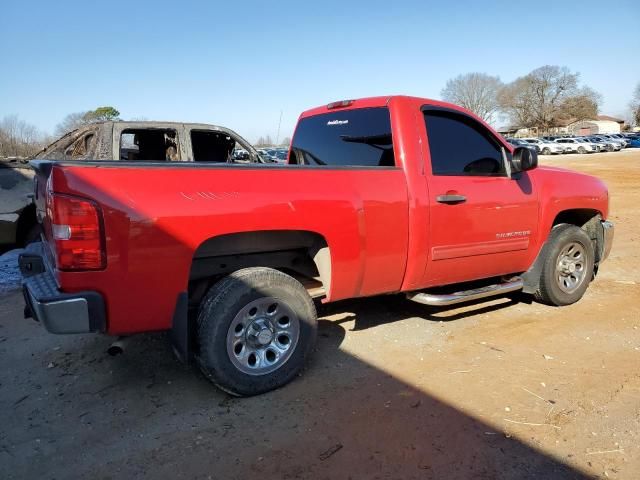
[
  {"x": 587, "y": 219},
  {"x": 304, "y": 252},
  {"x": 26, "y": 221}
]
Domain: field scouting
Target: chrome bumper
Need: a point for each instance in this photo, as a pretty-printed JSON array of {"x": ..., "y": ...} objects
[
  {"x": 59, "y": 312},
  {"x": 607, "y": 239}
]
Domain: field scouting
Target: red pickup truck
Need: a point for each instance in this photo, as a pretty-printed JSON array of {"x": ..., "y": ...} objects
[{"x": 379, "y": 195}]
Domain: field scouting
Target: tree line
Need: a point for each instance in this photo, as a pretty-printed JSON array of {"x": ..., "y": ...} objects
[
  {"x": 547, "y": 97},
  {"x": 544, "y": 98},
  {"x": 267, "y": 141}
]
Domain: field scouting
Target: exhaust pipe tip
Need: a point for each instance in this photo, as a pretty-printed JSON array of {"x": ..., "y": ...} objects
[
  {"x": 115, "y": 350},
  {"x": 117, "y": 347}
]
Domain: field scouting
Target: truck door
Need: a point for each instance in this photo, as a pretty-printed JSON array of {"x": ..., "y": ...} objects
[{"x": 481, "y": 220}]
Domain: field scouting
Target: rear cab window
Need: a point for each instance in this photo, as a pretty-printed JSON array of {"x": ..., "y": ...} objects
[{"x": 345, "y": 138}]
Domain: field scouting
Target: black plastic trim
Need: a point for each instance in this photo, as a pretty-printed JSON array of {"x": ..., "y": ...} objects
[
  {"x": 181, "y": 334},
  {"x": 40, "y": 165}
]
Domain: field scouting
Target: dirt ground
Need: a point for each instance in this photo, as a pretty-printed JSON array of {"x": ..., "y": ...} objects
[{"x": 396, "y": 390}]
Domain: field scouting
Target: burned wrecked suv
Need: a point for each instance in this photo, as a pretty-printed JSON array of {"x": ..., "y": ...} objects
[{"x": 114, "y": 141}]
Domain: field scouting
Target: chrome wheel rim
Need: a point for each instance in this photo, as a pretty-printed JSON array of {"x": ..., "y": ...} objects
[
  {"x": 571, "y": 267},
  {"x": 262, "y": 336}
]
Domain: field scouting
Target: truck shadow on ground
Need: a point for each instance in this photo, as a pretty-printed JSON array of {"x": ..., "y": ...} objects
[
  {"x": 143, "y": 414},
  {"x": 375, "y": 311}
]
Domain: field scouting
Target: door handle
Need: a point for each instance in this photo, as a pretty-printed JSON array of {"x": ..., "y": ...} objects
[{"x": 451, "y": 199}]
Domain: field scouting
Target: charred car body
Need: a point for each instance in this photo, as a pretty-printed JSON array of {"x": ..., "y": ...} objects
[{"x": 128, "y": 141}]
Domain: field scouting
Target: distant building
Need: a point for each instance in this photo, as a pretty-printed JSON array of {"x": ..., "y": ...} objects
[
  {"x": 517, "y": 132},
  {"x": 570, "y": 126},
  {"x": 601, "y": 124}
]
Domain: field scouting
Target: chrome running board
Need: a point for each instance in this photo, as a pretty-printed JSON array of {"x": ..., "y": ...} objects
[{"x": 512, "y": 285}]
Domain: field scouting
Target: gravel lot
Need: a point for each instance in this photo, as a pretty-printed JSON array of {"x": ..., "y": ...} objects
[{"x": 499, "y": 389}]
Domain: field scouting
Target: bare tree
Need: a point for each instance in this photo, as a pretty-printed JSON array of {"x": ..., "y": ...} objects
[
  {"x": 583, "y": 105},
  {"x": 546, "y": 95},
  {"x": 264, "y": 141},
  {"x": 71, "y": 122},
  {"x": 79, "y": 119},
  {"x": 635, "y": 105},
  {"x": 19, "y": 138},
  {"x": 477, "y": 92}
]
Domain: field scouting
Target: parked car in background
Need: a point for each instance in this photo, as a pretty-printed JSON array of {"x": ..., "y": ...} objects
[
  {"x": 281, "y": 155},
  {"x": 609, "y": 138},
  {"x": 516, "y": 142},
  {"x": 595, "y": 147},
  {"x": 569, "y": 147},
  {"x": 546, "y": 148},
  {"x": 573, "y": 145},
  {"x": 605, "y": 145},
  {"x": 619, "y": 136},
  {"x": 634, "y": 142},
  {"x": 266, "y": 155}
]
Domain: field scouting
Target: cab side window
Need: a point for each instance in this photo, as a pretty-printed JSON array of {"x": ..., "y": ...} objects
[
  {"x": 82, "y": 148},
  {"x": 213, "y": 146},
  {"x": 149, "y": 144},
  {"x": 460, "y": 146}
]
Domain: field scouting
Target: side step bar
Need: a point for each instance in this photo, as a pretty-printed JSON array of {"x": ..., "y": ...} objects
[{"x": 512, "y": 285}]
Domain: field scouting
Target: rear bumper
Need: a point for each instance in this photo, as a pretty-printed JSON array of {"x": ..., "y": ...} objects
[
  {"x": 59, "y": 312},
  {"x": 607, "y": 239}
]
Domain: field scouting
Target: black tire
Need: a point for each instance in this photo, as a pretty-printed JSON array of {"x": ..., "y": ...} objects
[
  {"x": 546, "y": 151},
  {"x": 225, "y": 303},
  {"x": 557, "y": 278},
  {"x": 581, "y": 150}
]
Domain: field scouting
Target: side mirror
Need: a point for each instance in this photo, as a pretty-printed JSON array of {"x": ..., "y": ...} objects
[{"x": 524, "y": 159}]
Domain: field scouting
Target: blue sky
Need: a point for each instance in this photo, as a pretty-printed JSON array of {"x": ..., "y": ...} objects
[{"x": 239, "y": 64}]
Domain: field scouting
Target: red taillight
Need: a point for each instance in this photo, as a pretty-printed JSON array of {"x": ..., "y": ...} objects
[{"x": 75, "y": 233}]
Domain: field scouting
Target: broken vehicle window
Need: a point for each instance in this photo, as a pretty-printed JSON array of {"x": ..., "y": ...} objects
[
  {"x": 149, "y": 145},
  {"x": 212, "y": 146},
  {"x": 82, "y": 148}
]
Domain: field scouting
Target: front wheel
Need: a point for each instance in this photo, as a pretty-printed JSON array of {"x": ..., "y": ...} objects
[
  {"x": 568, "y": 268},
  {"x": 581, "y": 150},
  {"x": 256, "y": 327},
  {"x": 546, "y": 151}
]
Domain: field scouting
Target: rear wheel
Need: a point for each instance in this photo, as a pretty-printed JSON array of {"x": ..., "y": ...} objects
[
  {"x": 256, "y": 327},
  {"x": 546, "y": 151},
  {"x": 568, "y": 268},
  {"x": 581, "y": 150}
]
